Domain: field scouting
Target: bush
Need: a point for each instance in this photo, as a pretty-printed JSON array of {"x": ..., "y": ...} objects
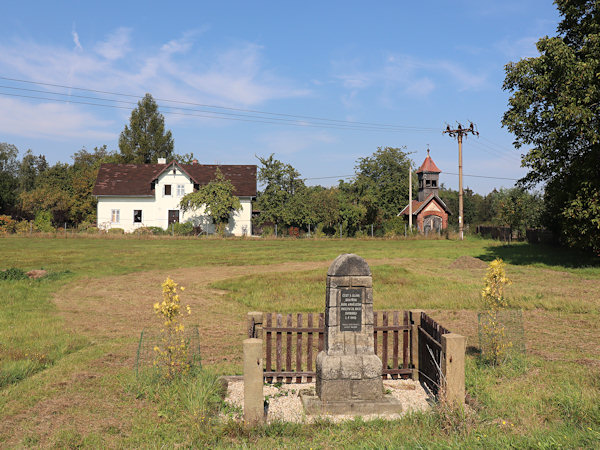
[
  {"x": 155, "y": 230},
  {"x": 268, "y": 230},
  {"x": 7, "y": 224},
  {"x": 183, "y": 229},
  {"x": 12, "y": 274},
  {"x": 143, "y": 231},
  {"x": 43, "y": 222},
  {"x": 25, "y": 226},
  {"x": 394, "y": 227},
  {"x": 115, "y": 231}
]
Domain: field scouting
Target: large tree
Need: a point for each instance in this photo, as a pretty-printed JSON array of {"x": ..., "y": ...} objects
[
  {"x": 382, "y": 183},
  {"x": 555, "y": 109},
  {"x": 282, "y": 201},
  {"x": 145, "y": 140}
]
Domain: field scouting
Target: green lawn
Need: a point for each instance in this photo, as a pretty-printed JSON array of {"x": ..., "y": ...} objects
[{"x": 67, "y": 342}]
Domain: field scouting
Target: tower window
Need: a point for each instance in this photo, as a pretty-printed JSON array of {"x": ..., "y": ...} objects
[
  {"x": 427, "y": 183},
  {"x": 433, "y": 183}
]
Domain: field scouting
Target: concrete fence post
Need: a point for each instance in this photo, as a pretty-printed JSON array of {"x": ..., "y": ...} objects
[
  {"x": 453, "y": 367},
  {"x": 256, "y": 330},
  {"x": 254, "y": 410},
  {"x": 415, "y": 320}
]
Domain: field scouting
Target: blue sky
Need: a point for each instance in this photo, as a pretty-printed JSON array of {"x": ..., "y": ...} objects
[{"x": 415, "y": 66}]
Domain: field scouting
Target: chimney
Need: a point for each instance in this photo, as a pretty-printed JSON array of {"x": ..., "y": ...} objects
[
  {"x": 162, "y": 160},
  {"x": 194, "y": 161}
]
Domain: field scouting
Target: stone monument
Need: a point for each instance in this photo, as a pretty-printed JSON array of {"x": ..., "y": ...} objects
[{"x": 348, "y": 370}]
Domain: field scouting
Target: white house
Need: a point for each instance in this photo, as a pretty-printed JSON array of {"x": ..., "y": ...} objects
[{"x": 131, "y": 196}]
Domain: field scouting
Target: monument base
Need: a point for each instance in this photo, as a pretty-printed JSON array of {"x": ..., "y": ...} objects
[{"x": 313, "y": 405}]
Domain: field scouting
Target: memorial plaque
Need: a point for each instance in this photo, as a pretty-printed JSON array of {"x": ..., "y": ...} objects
[{"x": 351, "y": 310}]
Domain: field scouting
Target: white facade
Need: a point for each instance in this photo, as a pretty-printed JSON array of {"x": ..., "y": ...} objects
[{"x": 131, "y": 212}]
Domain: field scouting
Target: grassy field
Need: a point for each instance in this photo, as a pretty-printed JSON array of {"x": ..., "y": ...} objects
[{"x": 68, "y": 341}]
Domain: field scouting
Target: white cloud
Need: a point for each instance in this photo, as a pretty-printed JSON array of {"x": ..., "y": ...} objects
[
  {"x": 116, "y": 45},
  {"x": 404, "y": 75},
  {"x": 76, "y": 40},
  {"x": 50, "y": 120},
  {"x": 178, "y": 69}
]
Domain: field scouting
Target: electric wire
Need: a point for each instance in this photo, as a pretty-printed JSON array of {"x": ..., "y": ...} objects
[
  {"x": 206, "y": 116},
  {"x": 338, "y": 121}
]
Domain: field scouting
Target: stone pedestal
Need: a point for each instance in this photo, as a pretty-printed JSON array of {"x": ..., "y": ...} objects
[{"x": 348, "y": 369}]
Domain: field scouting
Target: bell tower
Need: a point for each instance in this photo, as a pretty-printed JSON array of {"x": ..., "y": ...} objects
[{"x": 429, "y": 178}]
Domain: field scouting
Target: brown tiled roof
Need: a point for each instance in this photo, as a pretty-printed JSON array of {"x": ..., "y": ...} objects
[
  {"x": 428, "y": 165},
  {"x": 136, "y": 179}
]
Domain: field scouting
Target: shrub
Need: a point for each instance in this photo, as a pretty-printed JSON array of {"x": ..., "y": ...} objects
[
  {"x": 495, "y": 343},
  {"x": 115, "y": 231},
  {"x": 13, "y": 274},
  {"x": 394, "y": 227},
  {"x": 7, "y": 224},
  {"x": 26, "y": 226},
  {"x": 43, "y": 221},
  {"x": 268, "y": 230},
  {"x": 183, "y": 229},
  {"x": 155, "y": 230},
  {"x": 172, "y": 353}
]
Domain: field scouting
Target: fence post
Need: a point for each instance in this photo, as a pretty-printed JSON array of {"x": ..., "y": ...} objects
[
  {"x": 254, "y": 409},
  {"x": 415, "y": 320},
  {"x": 453, "y": 367},
  {"x": 254, "y": 324}
]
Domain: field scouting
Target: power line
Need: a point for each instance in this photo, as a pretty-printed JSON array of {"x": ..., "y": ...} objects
[
  {"x": 448, "y": 173},
  {"x": 296, "y": 116},
  {"x": 207, "y": 116}
]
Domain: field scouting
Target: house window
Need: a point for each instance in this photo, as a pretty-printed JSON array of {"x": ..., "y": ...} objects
[
  {"x": 180, "y": 190},
  {"x": 173, "y": 216},
  {"x": 115, "y": 215},
  {"x": 167, "y": 189},
  {"x": 137, "y": 216}
]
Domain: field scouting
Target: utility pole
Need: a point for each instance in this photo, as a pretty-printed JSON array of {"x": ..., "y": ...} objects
[
  {"x": 410, "y": 198},
  {"x": 458, "y": 133}
]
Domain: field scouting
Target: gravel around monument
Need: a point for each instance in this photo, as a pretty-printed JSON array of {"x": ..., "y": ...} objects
[{"x": 285, "y": 404}]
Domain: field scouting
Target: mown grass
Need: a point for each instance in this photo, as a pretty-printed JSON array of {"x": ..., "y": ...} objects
[{"x": 84, "y": 393}]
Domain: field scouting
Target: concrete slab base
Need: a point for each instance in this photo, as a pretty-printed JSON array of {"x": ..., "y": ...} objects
[{"x": 386, "y": 405}]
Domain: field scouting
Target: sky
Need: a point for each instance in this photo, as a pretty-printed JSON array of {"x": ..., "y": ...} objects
[{"x": 318, "y": 84}]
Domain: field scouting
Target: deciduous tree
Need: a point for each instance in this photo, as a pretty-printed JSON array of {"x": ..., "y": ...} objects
[
  {"x": 217, "y": 198},
  {"x": 555, "y": 109},
  {"x": 145, "y": 139}
]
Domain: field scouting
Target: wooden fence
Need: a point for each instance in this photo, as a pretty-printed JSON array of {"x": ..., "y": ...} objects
[
  {"x": 291, "y": 344},
  {"x": 430, "y": 352}
]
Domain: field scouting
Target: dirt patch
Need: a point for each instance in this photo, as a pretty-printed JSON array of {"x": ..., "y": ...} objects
[
  {"x": 468, "y": 262},
  {"x": 35, "y": 274}
]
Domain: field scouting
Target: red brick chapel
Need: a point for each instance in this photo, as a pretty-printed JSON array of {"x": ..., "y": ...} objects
[{"x": 430, "y": 213}]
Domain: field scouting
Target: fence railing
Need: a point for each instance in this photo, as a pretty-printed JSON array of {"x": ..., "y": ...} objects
[
  {"x": 291, "y": 344},
  {"x": 430, "y": 352}
]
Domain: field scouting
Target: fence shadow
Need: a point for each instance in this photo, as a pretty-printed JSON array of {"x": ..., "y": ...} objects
[{"x": 523, "y": 253}]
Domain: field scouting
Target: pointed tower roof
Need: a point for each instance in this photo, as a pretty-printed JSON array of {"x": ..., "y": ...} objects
[{"x": 428, "y": 165}]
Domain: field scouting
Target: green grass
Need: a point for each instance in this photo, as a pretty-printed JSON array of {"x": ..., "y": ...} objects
[{"x": 85, "y": 387}]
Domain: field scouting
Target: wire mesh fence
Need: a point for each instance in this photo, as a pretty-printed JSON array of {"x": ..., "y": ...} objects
[
  {"x": 147, "y": 356},
  {"x": 501, "y": 334}
]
